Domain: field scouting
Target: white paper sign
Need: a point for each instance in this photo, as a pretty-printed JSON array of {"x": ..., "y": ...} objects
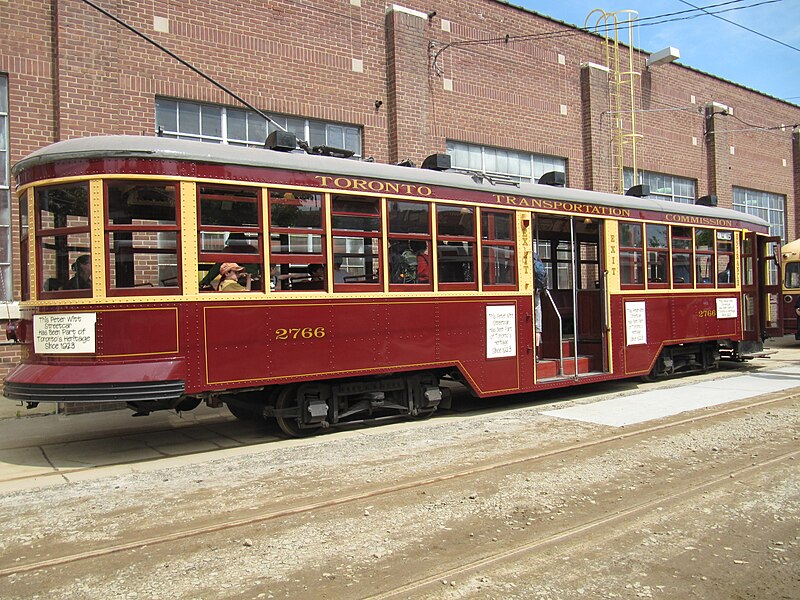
[
  {"x": 727, "y": 308},
  {"x": 501, "y": 336},
  {"x": 64, "y": 333},
  {"x": 635, "y": 323}
]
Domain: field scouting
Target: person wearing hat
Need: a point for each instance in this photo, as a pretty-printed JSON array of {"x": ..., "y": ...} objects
[{"x": 230, "y": 278}]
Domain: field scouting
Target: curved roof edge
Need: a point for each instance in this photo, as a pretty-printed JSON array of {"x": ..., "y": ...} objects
[{"x": 124, "y": 146}]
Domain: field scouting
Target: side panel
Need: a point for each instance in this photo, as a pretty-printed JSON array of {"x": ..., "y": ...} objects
[
  {"x": 644, "y": 324},
  {"x": 262, "y": 344}
]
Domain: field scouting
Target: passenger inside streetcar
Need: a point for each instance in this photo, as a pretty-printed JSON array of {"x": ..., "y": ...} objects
[
  {"x": 83, "y": 274},
  {"x": 230, "y": 274},
  {"x": 236, "y": 243}
]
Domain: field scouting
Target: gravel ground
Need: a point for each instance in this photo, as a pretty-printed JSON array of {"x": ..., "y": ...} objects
[{"x": 743, "y": 536}]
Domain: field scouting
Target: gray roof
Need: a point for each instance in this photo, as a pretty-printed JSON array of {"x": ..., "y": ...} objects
[{"x": 203, "y": 152}]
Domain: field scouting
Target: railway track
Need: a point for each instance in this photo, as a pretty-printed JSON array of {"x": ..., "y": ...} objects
[{"x": 460, "y": 476}]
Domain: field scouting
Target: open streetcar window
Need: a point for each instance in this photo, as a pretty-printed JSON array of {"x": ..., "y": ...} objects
[
  {"x": 455, "y": 252},
  {"x": 657, "y": 256},
  {"x": 498, "y": 249},
  {"x": 356, "y": 236},
  {"x": 704, "y": 257},
  {"x": 63, "y": 241},
  {"x": 142, "y": 237},
  {"x": 409, "y": 245},
  {"x": 296, "y": 241},
  {"x": 229, "y": 232},
  {"x": 631, "y": 255}
]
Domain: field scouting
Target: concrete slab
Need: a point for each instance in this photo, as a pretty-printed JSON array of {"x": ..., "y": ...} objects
[{"x": 657, "y": 404}]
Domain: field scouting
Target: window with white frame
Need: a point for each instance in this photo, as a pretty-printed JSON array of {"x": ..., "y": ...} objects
[
  {"x": 240, "y": 127},
  {"x": 519, "y": 166},
  {"x": 6, "y": 285},
  {"x": 770, "y": 207},
  {"x": 664, "y": 187}
]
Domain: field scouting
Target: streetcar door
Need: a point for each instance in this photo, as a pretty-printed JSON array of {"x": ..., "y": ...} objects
[
  {"x": 573, "y": 305},
  {"x": 761, "y": 287},
  {"x": 769, "y": 250}
]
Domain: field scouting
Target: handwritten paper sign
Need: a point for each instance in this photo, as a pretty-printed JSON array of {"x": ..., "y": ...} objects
[
  {"x": 64, "y": 333},
  {"x": 727, "y": 308},
  {"x": 501, "y": 337},
  {"x": 635, "y": 323}
]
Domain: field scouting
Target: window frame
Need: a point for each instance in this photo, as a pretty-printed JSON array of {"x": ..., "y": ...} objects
[
  {"x": 295, "y": 258},
  {"x": 60, "y": 231},
  {"x": 489, "y": 242},
  {"x": 342, "y": 233},
  {"x": 109, "y": 228},
  {"x": 241, "y": 258},
  {"x": 633, "y": 251},
  {"x": 409, "y": 238},
  {"x": 660, "y": 252},
  {"x": 445, "y": 239}
]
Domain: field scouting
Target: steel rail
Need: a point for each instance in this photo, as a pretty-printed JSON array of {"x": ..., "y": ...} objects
[
  {"x": 383, "y": 491},
  {"x": 519, "y": 550}
]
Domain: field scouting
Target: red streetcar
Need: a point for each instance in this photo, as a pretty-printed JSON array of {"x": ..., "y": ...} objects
[{"x": 319, "y": 290}]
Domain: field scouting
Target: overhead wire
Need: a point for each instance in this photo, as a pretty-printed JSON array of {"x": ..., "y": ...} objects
[{"x": 642, "y": 22}]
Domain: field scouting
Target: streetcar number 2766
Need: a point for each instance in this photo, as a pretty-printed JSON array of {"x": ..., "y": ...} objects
[{"x": 296, "y": 333}]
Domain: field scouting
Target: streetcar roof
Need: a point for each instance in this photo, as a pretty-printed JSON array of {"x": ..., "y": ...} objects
[{"x": 123, "y": 146}]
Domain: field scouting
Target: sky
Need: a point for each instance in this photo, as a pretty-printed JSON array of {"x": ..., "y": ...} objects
[{"x": 707, "y": 43}]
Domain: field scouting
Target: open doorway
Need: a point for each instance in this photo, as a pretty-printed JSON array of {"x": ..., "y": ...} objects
[{"x": 573, "y": 305}]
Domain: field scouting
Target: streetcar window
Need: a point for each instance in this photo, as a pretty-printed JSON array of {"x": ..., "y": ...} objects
[
  {"x": 409, "y": 244},
  {"x": 498, "y": 250},
  {"x": 704, "y": 256},
  {"x": 229, "y": 231},
  {"x": 23, "y": 245},
  {"x": 726, "y": 265},
  {"x": 356, "y": 238},
  {"x": 657, "y": 255},
  {"x": 455, "y": 253},
  {"x": 143, "y": 237},
  {"x": 792, "y": 279},
  {"x": 62, "y": 237},
  {"x": 631, "y": 255},
  {"x": 682, "y": 256},
  {"x": 296, "y": 241}
]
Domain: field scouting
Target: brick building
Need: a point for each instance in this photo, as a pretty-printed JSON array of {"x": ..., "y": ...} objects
[{"x": 500, "y": 88}]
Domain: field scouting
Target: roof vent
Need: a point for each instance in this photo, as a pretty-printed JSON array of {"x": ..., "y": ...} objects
[
  {"x": 282, "y": 141},
  {"x": 437, "y": 162},
  {"x": 554, "y": 178},
  {"x": 710, "y": 200},
  {"x": 640, "y": 191}
]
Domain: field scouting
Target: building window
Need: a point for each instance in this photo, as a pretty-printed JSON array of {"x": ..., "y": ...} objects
[
  {"x": 519, "y": 166},
  {"x": 6, "y": 285},
  {"x": 770, "y": 207},
  {"x": 664, "y": 187},
  {"x": 238, "y": 127}
]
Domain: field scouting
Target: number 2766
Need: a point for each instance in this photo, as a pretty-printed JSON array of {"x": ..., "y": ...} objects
[{"x": 299, "y": 333}]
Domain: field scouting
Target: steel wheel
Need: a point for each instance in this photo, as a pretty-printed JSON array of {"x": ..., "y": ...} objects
[{"x": 287, "y": 398}]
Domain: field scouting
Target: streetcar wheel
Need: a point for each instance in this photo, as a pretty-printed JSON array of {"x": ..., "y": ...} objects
[
  {"x": 244, "y": 412},
  {"x": 287, "y": 398},
  {"x": 187, "y": 404},
  {"x": 426, "y": 413}
]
